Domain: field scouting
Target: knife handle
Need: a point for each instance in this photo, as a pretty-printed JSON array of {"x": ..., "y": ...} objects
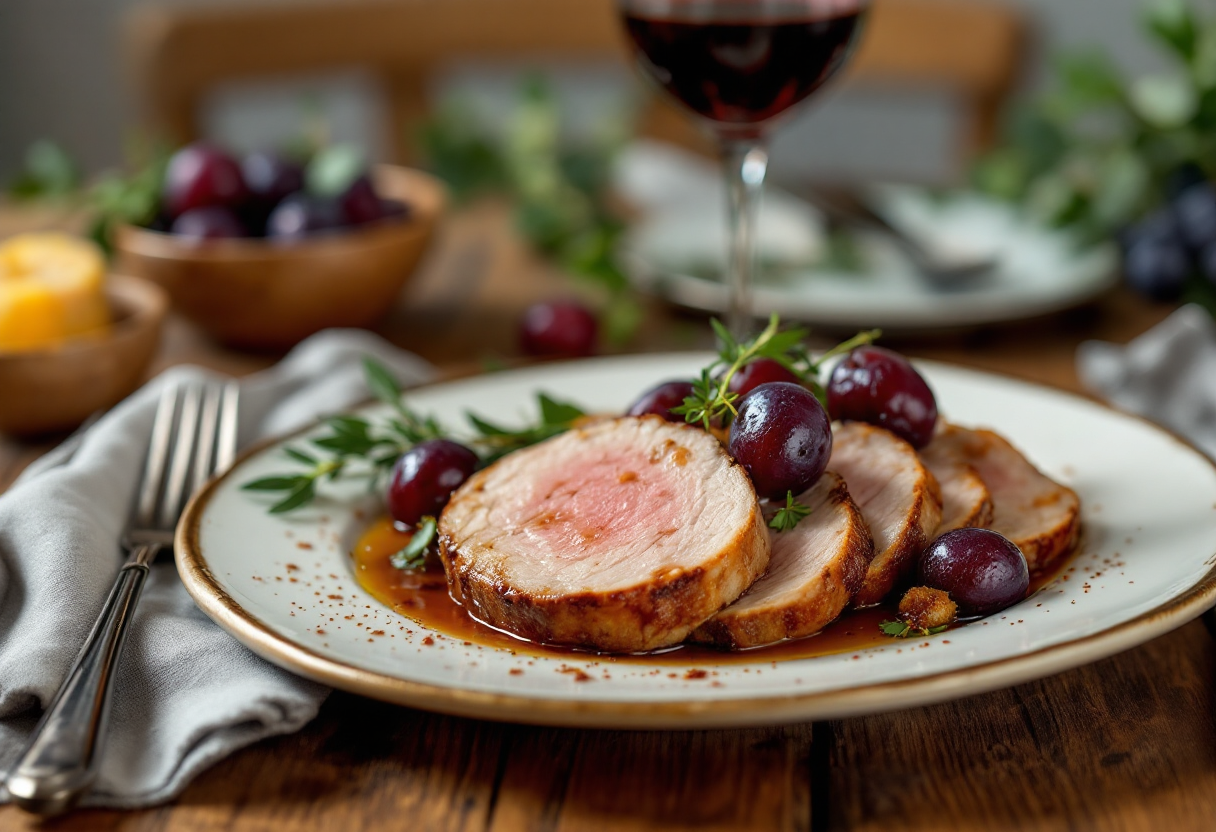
[{"x": 60, "y": 762}]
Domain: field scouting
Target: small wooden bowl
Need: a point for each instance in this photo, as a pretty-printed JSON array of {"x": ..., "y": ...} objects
[
  {"x": 56, "y": 389},
  {"x": 259, "y": 294}
]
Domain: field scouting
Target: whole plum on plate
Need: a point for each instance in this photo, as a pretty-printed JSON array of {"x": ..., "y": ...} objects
[
  {"x": 782, "y": 437},
  {"x": 660, "y": 399},
  {"x": 760, "y": 371},
  {"x": 424, "y": 478},
  {"x": 983, "y": 571},
  {"x": 200, "y": 175},
  {"x": 881, "y": 387}
]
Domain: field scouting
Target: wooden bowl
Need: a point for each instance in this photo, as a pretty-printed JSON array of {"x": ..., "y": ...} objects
[
  {"x": 259, "y": 294},
  {"x": 57, "y": 389}
]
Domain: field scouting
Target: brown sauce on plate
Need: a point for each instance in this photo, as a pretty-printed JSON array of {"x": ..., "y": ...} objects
[{"x": 422, "y": 595}]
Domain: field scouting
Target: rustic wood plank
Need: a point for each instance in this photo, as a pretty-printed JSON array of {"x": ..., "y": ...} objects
[
  {"x": 1128, "y": 743},
  {"x": 628, "y": 780},
  {"x": 361, "y": 765}
]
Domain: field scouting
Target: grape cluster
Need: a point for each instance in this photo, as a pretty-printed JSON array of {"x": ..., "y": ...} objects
[
  {"x": 1178, "y": 241},
  {"x": 208, "y": 195}
]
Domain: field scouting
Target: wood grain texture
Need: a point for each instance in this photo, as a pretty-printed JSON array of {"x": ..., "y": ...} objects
[{"x": 1125, "y": 744}]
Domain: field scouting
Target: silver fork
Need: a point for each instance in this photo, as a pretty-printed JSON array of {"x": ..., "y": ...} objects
[{"x": 193, "y": 438}]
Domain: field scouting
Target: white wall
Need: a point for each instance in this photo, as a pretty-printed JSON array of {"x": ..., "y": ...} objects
[{"x": 60, "y": 77}]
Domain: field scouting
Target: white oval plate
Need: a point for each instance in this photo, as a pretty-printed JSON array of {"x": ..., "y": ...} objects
[
  {"x": 284, "y": 585},
  {"x": 1040, "y": 270}
]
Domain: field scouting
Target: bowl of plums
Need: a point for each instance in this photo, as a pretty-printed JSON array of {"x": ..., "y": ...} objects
[{"x": 263, "y": 250}]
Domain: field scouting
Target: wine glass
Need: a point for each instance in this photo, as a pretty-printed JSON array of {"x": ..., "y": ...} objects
[{"x": 739, "y": 65}]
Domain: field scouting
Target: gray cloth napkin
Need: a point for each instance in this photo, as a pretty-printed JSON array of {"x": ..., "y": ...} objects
[
  {"x": 187, "y": 693},
  {"x": 1167, "y": 375}
]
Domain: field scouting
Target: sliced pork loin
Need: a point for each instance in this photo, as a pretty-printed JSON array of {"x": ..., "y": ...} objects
[
  {"x": 622, "y": 536},
  {"x": 815, "y": 569},
  {"x": 898, "y": 497},
  {"x": 1038, "y": 514},
  {"x": 966, "y": 501}
]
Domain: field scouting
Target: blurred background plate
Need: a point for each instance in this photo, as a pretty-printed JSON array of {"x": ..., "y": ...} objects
[{"x": 1039, "y": 270}]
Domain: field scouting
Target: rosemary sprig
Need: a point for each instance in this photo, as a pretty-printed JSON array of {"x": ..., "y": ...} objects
[
  {"x": 711, "y": 400},
  {"x": 902, "y": 629},
  {"x": 413, "y": 555},
  {"x": 790, "y": 515},
  {"x": 355, "y": 447}
]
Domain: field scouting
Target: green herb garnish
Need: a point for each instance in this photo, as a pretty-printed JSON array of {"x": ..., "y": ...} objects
[
  {"x": 902, "y": 629},
  {"x": 413, "y": 556},
  {"x": 354, "y": 447},
  {"x": 712, "y": 401},
  {"x": 790, "y": 515}
]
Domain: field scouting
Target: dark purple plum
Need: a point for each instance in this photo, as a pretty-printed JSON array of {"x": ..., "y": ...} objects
[
  {"x": 983, "y": 571},
  {"x": 1157, "y": 268},
  {"x": 760, "y": 371},
  {"x": 359, "y": 203},
  {"x": 660, "y": 399},
  {"x": 1195, "y": 213},
  {"x": 301, "y": 215},
  {"x": 559, "y": 329},
  {"x": 200, "y": 175},
  {"x": 270, "y": 177},
  {"x": 782, "y": 437},
  {"x": 211, "y": 222},
  {"x": 424, "y": 478},
  {"x": 878, "y": 386}
]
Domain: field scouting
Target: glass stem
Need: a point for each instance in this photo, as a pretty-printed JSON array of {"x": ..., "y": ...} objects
[{"x": 746, "y": 163}]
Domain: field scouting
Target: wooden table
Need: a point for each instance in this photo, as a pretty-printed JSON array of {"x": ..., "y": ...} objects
[{"x": 1127, "y": 743}]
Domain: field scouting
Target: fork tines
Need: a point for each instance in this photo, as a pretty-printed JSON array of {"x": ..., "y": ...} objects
[{"x": 193, "y": 439}]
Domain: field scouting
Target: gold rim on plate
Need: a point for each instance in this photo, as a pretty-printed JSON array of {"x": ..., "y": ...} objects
[{"x": 853, "y": 701}]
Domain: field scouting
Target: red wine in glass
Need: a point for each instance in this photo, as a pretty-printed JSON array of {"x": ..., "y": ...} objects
[{"x": 739, "y": 65}]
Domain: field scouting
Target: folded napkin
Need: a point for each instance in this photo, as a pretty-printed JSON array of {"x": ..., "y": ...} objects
[
  {"x": 187, "y": 693},
  {"x": 1168, "y": 374}
]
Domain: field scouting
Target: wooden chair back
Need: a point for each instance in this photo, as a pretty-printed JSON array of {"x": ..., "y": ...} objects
[{"x": 178, "y": 54}]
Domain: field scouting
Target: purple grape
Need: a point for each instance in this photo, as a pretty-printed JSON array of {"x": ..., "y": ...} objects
[
  {"x": 424, "y": 478},
  {"x": 878, "y": 386},
  {"x": 660, "y": 399},
  {"x": 559, "y": 329},
  {"x": 760, "y": 371},
  {"x": 1195, "y": 213},
  {"x": 782, "y": 438},
  {"x": 983, "y": 571},
  {"x": 211, "y": 222},
  {"x": 1157, "y": 268},
  {"x": 270, "y": 177},
  {"x": 301, "y": 215},
  {"x": 359, "y": 203},
  {"x": 200, "y": 175}
]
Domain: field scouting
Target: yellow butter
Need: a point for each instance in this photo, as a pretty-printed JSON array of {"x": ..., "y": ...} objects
[{"x": 52, "y": 287}]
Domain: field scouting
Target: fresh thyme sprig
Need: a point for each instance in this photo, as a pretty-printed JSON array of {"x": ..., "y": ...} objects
[
  {"x": 355, "y": 447},
  {"x": 902, "y": 629},
  {"x": 790, "y": 515},
  {"x": 712, "y": 400},
  {"x": 413, "y": 555}
]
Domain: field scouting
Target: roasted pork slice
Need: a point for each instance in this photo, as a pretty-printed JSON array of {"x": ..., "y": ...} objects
[
  {"x": 815, "y": 569},
  {"x": 1042, "y": 517},
  {"x": 898, "y": 497},
  {"x": 620, "y": 536},
  {"x": 966, "y": 501}
]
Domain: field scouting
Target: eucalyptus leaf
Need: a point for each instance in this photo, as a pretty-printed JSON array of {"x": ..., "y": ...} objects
[
  {"x": 1173, "y": 22},
  {"x": 1164, "y": 100}
]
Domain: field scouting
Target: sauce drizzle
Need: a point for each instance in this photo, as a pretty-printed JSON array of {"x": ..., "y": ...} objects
[{"x": 422, "y": 595}]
